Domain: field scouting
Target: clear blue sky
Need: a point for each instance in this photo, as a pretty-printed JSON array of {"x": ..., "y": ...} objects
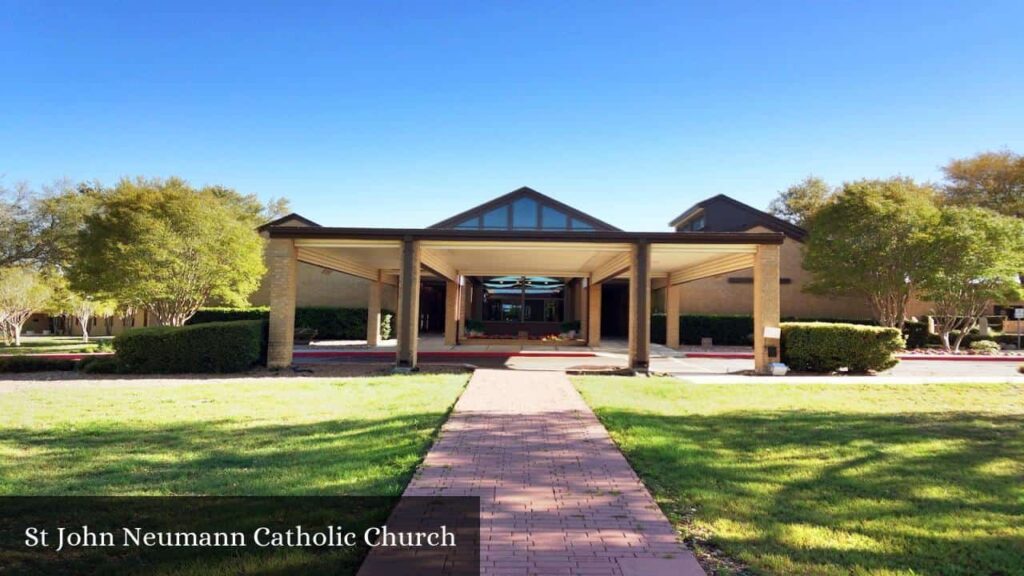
[{"x": 400, "y": 114}]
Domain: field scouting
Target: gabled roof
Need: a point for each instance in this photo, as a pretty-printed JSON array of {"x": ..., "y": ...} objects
[
  {"x": 292, "y": 218},
  {"x": 524, "y": 192},
  {"x": 744, "y": 217}
]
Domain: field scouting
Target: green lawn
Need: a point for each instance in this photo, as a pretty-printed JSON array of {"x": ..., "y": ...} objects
[
  {"x": 351, "y": 436},
  {"x": 830, "y": 479},
  {"x": 56, "y": 344}
]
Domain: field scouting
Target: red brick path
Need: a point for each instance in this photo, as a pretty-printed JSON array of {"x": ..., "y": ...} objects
[{"x": 557, "y": 496}]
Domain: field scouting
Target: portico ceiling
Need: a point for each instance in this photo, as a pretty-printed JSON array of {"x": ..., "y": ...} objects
[{"x": 678, "y": 256}]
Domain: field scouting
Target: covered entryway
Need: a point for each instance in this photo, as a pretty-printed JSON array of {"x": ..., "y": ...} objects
[{"x": 584, "y": 261}]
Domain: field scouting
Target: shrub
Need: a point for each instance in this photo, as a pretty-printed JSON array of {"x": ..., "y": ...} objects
[
  {"x": 985, "y": 346},
  {"x": 827, "y": 347},
  {"x": 570, "y": 325},
  {"x": 100, "y": 365},
  {"x": 30, "y": 363},
  {"x": 207, "y": 315},
  {"x": 474, "y": 326},
  {"x": 723, "y": 330},
  {"x": 916, "y": 334},
  {"x": 210, "y": 347},
  {"x": 329, "y": 323}
]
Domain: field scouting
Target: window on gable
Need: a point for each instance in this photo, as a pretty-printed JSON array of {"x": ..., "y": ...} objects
[
  {"x": 695, "y": 225},
  {"x": 471, "y": 224},
  {"x": 578, "y": 224},
  {"x": 496, "y": 219},
  {"x": 552, "y": 219},
  {"x": 524, "y": 214}
]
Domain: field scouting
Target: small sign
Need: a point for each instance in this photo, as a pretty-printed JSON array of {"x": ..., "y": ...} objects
[
  {"x": 1018, "y": 313},
  {"x": 772, "y": 332}
]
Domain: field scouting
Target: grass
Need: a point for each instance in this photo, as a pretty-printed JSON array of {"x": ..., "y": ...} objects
[
  {"x": 56, "y": 345},
  {"x": 793, "y": 479},
  {"x": 351, "y": 436},
  {"x": 354, "y": 436}
]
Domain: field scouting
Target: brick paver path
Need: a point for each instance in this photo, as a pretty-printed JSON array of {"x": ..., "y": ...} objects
[{"x": 557, "y": 496}]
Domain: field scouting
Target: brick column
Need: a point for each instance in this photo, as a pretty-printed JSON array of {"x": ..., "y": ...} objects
[
  {"x": 672, "y": 292},
  {"x": 594, "y": 315},
  {"x": 451, "y": 312},
  {"x": 373, "y": 314},
  {"x": 766, "y": 306},
  {"x": 640, "y": 307},
  {"x": 282, "y": 269},
  {"x": 408, "y": 304},
  {"x": 582, "y": 309}
]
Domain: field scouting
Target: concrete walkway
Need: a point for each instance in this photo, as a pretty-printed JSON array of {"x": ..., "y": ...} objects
[{"x": 557, "y": 496}]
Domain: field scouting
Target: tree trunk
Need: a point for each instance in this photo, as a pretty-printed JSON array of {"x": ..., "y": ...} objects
[
  {"x": 16, "y": 328},
  {"x": 945, "y": 340},
  {"x": 84, "y": 322}
]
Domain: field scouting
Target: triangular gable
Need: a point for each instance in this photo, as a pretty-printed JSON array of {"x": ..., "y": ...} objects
[
  {"x": 292, "y": 219},
  {"x": 524, "y": 209}
]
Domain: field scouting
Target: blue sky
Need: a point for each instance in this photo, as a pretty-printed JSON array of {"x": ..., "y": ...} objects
[{"x": 401, "y": 114}]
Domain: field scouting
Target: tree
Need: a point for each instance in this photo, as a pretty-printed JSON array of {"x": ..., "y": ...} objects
[
  {"x": 23, "y": 292},
  {"x": 993, "y": 180},
  {"x": 38, "y": 229},
  {"x": 799, "y": 202},
  {"x": 85, "y": 308},
  {"x": 872, "y": 241},
  {"x": 168, "y": 247},
  {"x": 974, "y": 257}
]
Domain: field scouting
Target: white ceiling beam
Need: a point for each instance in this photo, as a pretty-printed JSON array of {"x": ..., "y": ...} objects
[
  {"x": 340, "y": 264},
  {"x": 431, "y": 259},
  {"x": 712, "y": 267},
  {"x": 610, "y": 269}
]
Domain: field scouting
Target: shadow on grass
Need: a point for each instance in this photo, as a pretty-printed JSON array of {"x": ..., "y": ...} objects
[
  {"x": 218, "y": 457},
  {"x": 838, "y": 493}
]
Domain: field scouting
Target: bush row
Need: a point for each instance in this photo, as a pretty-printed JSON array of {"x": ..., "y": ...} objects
[
  {"x": 204, "y": 348},
  {"x": 828, "y": 347},
  {"x": 724, "y": 330},
  {"x": 329, "y": 323}
]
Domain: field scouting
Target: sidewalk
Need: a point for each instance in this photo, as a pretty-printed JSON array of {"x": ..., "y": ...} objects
[{"x": 557, "y": 496}]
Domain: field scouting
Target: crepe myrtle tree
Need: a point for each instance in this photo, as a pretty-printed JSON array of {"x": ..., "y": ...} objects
[
  {"x": 23, "y": 292},
  {"x": 871, "y": 240},
  {"x": 168, "y": 246},
  {"x": 975, "y": 257}
]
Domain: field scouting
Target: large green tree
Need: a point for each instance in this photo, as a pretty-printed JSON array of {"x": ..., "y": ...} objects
[
  {"x": 38, "y": 228},
  {"x": 974, "y": 258},
  {"x": 872, "y": 240},
  {"x": 993, "y": 180},
  {"x": 801, "y": 201},
  {"x": 169, "y": 247}
]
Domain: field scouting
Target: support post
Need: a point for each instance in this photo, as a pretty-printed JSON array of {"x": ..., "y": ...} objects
[
  {"x": 594, "y": 315},
  {"x": 766, "y": 308},
  {"x": 451, "y": 312},
  {"x": 672, "y": 293},
  {"x": 582, "y": 308},
  {"x": 640, "y": 307},
  {"x": 373, "y": 314},
  {"x": 408, "y": 305},
  {"x": 283, "y": 266}
]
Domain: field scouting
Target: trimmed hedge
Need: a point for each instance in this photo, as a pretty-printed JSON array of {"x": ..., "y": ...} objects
[
  {"x": 29, "y": 363},
  {"x": 213, "y": 347},
  {"x": 207, "y": 315},
  {"x": 724, "y": 330},
  {"x": 828, "y": 347},
  {"x": 100, "y": 365},
  {"x": 340, "y": 323},
  {"x": 329, "y": 323}
]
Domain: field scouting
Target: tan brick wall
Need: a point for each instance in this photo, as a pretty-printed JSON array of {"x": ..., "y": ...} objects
[
  {"x": 716, "y": 295},
  {"x": 320, "y": 287}
]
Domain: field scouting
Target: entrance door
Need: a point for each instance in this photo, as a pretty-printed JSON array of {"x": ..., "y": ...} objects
[
  {"x": 432, "y": 306},
  {"x": 615, "y": 309}
]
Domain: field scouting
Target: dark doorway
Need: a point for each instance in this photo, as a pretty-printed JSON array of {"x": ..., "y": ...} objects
[
  {"x": 432, "y": 306},
  {"x": 615, "y": 309}
]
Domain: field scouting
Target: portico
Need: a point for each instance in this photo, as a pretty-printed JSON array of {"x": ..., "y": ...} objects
[{"x": 556, "y": 275}]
